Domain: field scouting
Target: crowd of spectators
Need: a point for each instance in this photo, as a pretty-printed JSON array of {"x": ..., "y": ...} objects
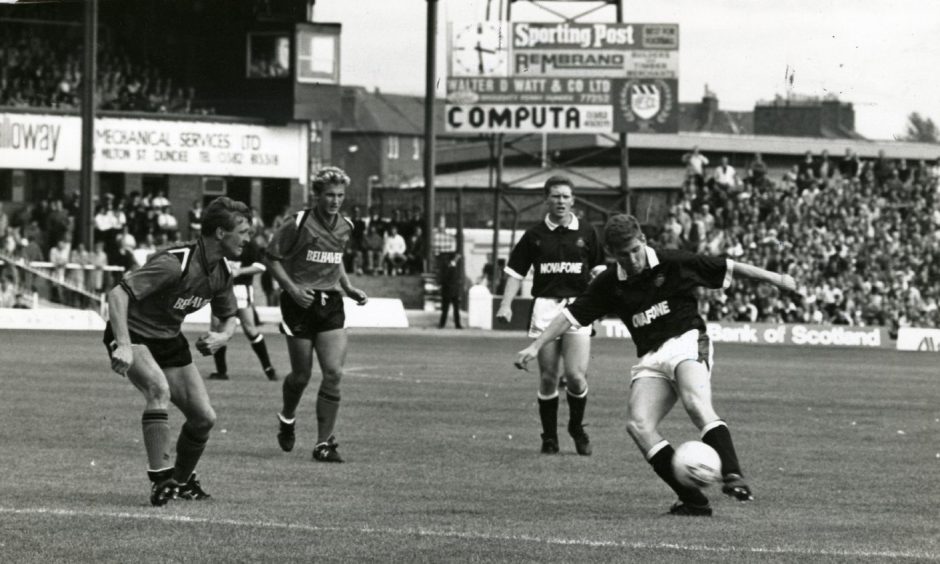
[
  {"x": 41, "y": 66},
  {"x": 861, "y": 237},
  {"x": 387, "y": 245}
]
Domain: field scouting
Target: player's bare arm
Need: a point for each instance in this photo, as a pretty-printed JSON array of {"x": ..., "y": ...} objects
[
  {"x": 355, "y": 293},
  {"x": 250, "y": 269},
  {"x": 782, "y": 281},
  {"x": 212, "y": 341},
  {"x": 504, "y": 312},
  {"x": 555, "y": 329},
  {"x": 122, "y": 357},
  {"x": 301, "y": 297}
]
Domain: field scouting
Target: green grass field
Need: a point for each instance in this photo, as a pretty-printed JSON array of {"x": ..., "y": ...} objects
[{"x": 440, "y": 434}]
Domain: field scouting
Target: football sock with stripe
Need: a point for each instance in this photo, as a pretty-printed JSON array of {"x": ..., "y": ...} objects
[
  {"x": 576, "y": 406},
  {"x": 156, "y": 427},
  {"x": 548, "y": 413},
  {"x": 261, "y": 350},
  {"x": 221, "y": 365},
  {"x": 189, "y": 448},
  {"x": 660, "y": 458},
  {"x": 327, "y": 410},
  {"x": 292, "y": 391},
  {"x": 717, "y": 435}
]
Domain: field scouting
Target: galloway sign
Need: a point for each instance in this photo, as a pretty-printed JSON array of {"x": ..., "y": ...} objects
[
  {"x": 919, "y": 340},
  {"x": 774, "y": 334},
  {"x": 152, "y": 146}
]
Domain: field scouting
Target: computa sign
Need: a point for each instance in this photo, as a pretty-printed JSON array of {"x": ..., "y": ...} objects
[{"x": 513, "y": 118}]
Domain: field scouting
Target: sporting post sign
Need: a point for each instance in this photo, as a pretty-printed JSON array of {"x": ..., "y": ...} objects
[{"x": 563, "y": 77}]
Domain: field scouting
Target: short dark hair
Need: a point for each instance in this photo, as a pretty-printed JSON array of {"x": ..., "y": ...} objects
[
  {"x": 620, "y": 229},
  {"x": 557, "y": 180},
  {"x": 329, "y": 176},
  {"x": 223, "y": 212}
]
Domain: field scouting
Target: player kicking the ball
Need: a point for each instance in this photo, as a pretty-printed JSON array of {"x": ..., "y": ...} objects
[
  {"x": 306, "y": 258},
  {"x": 144, "y": 341},
  {"x": 652, "y": 292}
]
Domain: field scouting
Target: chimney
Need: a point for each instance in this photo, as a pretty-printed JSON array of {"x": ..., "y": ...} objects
[
  {"x": 708, "y": 110},
  {"x": 348, "y": 106}
]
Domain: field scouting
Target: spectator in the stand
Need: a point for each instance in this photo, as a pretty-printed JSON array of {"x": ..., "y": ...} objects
[
  {"x": 99, "y": 260},
  {"x": 376, "y": 220},
  {"x": 695, "y": 168},
  {"x": 882, "y": 168},
  {"x": 167, "y": 223},
  {"x": 904, "y": 173},
  {"x": 160, "y": 200},
  {"x": 80, "y": 258},
  {"x": 195, "y": 218},
  {"x": 355, "y": 258},
  {"x": 417, "y": 250},
  {"x": 104, "y": 223},
  {"x": 849, "y": 166},
  {"x": 825, "y": 169},
  {"x": 757, "y": 171},
  {"x": 4, "y": 221},
  {"x": 806, "y": 171},
  {"x": 393, "y": 251},
  {"x": 280, "y": 218},
  {"x": 372, "y": 246}
]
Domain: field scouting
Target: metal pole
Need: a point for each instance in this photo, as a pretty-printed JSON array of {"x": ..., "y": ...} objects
[
  {"x": 624, "y": 149},
  {"x": 429, "y": 138},
  {"x": 87, "y": 174},
  {"x": 497, "y": 194}
]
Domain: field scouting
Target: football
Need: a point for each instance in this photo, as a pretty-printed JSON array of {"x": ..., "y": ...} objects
[{"x": 696, "y": 465}]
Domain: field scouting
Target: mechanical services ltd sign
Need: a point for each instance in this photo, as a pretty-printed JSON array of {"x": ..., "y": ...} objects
[{"x": 151, "y": 146}]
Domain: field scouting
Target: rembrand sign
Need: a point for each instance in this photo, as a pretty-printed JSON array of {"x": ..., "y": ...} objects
[{"x": 774, "y": 334}]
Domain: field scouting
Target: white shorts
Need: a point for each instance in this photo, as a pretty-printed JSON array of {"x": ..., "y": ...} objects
[
  {"x": 662, "y": 363},
  {"x": 244, "y": 295},
  {"x": 544, "y": 310}
]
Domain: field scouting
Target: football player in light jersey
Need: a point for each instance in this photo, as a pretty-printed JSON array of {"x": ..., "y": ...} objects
[
  {"x": 305, "y": 256},
  {"x": 653, "y": 293},
  {"x": 145, "y": 344},
  {"x": 251, "y": 263},
  {"x": 565, "y": 254}
]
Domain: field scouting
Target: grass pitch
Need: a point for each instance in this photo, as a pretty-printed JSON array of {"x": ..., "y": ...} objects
[{"x": 440, "y": 434}]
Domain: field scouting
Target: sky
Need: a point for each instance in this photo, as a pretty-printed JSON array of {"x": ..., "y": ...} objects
[{"x": 883, "y": 57}]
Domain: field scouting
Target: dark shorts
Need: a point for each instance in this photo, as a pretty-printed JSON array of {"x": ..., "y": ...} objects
[
  {"x": 326, "y": 313},
  {"x": 169, "y": 353}
]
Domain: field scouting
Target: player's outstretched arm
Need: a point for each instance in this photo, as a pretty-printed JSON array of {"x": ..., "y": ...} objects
[
  {"x": 504, "y": 312},
  {"x": 782, "y": 281},
  {"x": 555, "y": 329},
  {"x": 122, "y": 356}
]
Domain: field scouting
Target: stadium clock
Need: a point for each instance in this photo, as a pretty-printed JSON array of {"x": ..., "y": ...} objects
[{"x": 479, "y": 49}]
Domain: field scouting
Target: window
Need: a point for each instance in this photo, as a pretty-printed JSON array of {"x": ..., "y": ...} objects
[
  {"x": 318, "y": 55},
  {"x": 393, "y": 146},
  {"x": 268, "y": 55},
  {"x": 416, "y": 148}
]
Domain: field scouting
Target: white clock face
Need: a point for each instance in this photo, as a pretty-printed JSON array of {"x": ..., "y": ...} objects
[{"x": 480, "y": 49}]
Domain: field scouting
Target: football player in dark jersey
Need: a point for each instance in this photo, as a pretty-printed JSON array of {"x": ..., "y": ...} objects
[
  {"x": 565, "y": 254},
  {"x": 244, "y": 270},
  {"x": 653, "y": 293},
  {"x": 144, "y": 341},
  {"x": 305, "y": 256}
]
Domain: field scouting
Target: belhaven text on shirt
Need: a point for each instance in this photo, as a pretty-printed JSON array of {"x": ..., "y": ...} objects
[
  {"x": 192, "y": 302},
  {"x": 324, "y": 256}
]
